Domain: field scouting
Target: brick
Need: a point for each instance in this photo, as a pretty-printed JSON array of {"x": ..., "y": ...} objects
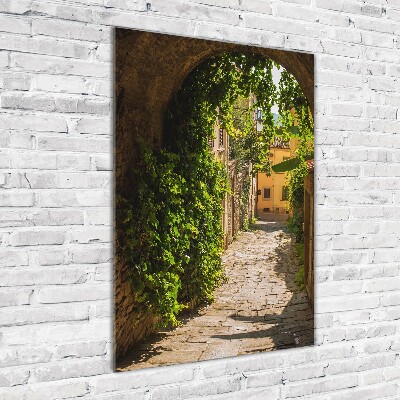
[
  {"x": 103, "y": 162},
  {"x": 299, "y": 374},
  {"x": 341, "y": 49},
  {"x": 14, "y": 297},
  {"x": 393, "y": 14},
  {"x": 104, "y": 272},
  {"x": 14, "y": 25},
  {"x": 27, "y": 102},
  {"x": 366, "y": 393},
  {"x": 377, "y": 40},
  {"x": 13, "y": 258},
  {"x": 106, "y": 384},
  {"x": 4, "y": 59},
  {"x": 63, "y": 84},
  {"x": 33, "y": 160},
  {"x": 95, "y": 126},
  {"x": 381, "y": 285},
  {"x": 78, "y": 144},
  {"x": 28, "y": 44},
  {"x": 348, "y": 7},
  {"x": 339, "y": 79},
  {"x": 24, "y": 356},
  {"x": 303, "y": 43},
  {"x": 131, "y": 6},
  {"x": 73, "y": 162},
  {"x": 391, "y": 373},
  {"x": 66, "y": 198},
  {"x": 90, "y": 235},
  {"x": 61, "y": 11},
  {"x": 59, "y": 65},
  {"x": 88, "y": 180},
  {"x": 71, "y": 369},
  {"x": 19, "y": 7},
  {"x": 13, "y": 316},
  {"x": 324, "y": 385},
  {"x": 264, "y": 379},
  {"x": 53, "y": 257},
  {"x": 71, "y": 30},
  {"x": 352, "y": 66},
  {"x": 353, "y": 317},
  {"x": 258, "y": 6},
  {"x": 81, "y": 349},
  {"x": 88, "y": 106},
  {"x": 53, "y": 334},
  {"x": 377, "y": 54},
  {"x": 91, "y": 255},
  {"x": 330, "y": 289},
  {"x": 102, "y": 309},
  {"x": 295, "y": 12},
  {"x": 358, "y": 302},
  {"x": 99, "y": 216},
  {"x": 35, "y": 238},
  {"x": 392, "y": 70},
  {"x": 391, "y": 299},
  {"x": 44, "y": 276},
  {"x": 197, "y": 11},
  {"x": 208, "y": 387},
  {"x": 352, "y": 110},
  {"x": 56, "y": 217},
  {"x": 129, "y": 20},
  {"x": 15, "y": 199},
  {"x": 41, "y": 123},
  {"x": 339, "y": 170},
  {"x": 349, "y": 366},
  {"x": 9, "y": 377},
  {"x": 64, "y": 389},
  {"x": 74, "y": 293}
]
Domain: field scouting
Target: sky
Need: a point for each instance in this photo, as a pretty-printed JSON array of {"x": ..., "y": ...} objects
[{"x": 276, "y": 75}]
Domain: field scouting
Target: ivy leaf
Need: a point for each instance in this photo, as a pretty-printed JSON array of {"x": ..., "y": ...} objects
[
  {"x": 289, "y": 165},
  {"x": 293, "y": 130}
]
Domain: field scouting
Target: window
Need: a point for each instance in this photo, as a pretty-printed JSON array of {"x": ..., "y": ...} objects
[
  {"x": 285, "y": 193},
  {"x": 221, "y": 137},
  {"x": 266, "y": 193}
]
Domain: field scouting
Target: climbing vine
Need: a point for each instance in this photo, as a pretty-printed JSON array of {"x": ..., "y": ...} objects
[
  {"x": 173, "y": 237},
  {"x": 294, "y": 111}
]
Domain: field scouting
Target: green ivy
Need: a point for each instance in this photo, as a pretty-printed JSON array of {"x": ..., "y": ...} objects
[
  {"x": 172, "y": 233},
  {"x": 294, "y": 110}
]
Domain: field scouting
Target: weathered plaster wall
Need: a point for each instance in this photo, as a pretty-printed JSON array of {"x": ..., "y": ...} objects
[{"x": 56, "y": 199}]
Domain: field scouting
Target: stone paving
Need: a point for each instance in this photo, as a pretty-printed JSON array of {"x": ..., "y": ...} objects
[{"x": 260, "y": 308}]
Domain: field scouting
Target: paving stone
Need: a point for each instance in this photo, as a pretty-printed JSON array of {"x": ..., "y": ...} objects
[{"x": 259, "y": 308}]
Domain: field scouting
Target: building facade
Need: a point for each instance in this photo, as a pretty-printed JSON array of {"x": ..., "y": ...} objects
[
  {"x": 239, "y": 204},
  {"x": 272, "y": 189}
]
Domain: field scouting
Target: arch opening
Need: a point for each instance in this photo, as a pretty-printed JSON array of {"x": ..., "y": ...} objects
[{"x": 150, "y": 70}]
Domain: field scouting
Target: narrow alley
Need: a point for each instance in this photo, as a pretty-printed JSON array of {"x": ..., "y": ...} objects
[{"x": 259, "y": 308}]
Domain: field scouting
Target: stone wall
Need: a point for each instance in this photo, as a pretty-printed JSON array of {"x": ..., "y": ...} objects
[{"x": 56, "y": 198}]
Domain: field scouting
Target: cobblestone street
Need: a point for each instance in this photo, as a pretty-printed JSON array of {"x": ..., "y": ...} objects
[{"x": 259, "y": 308}]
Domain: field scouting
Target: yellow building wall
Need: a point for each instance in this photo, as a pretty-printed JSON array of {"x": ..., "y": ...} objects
[{"x": 275, "y": 203}]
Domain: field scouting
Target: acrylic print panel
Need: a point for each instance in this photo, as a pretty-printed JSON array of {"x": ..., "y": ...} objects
[{"x": 214, "y": 199}]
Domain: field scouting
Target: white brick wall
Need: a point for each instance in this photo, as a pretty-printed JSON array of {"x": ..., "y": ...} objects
[{"x": 56, "y": 199}]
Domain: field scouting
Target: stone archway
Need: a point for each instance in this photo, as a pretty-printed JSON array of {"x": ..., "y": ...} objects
[{"x": 150, "y": 68}]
